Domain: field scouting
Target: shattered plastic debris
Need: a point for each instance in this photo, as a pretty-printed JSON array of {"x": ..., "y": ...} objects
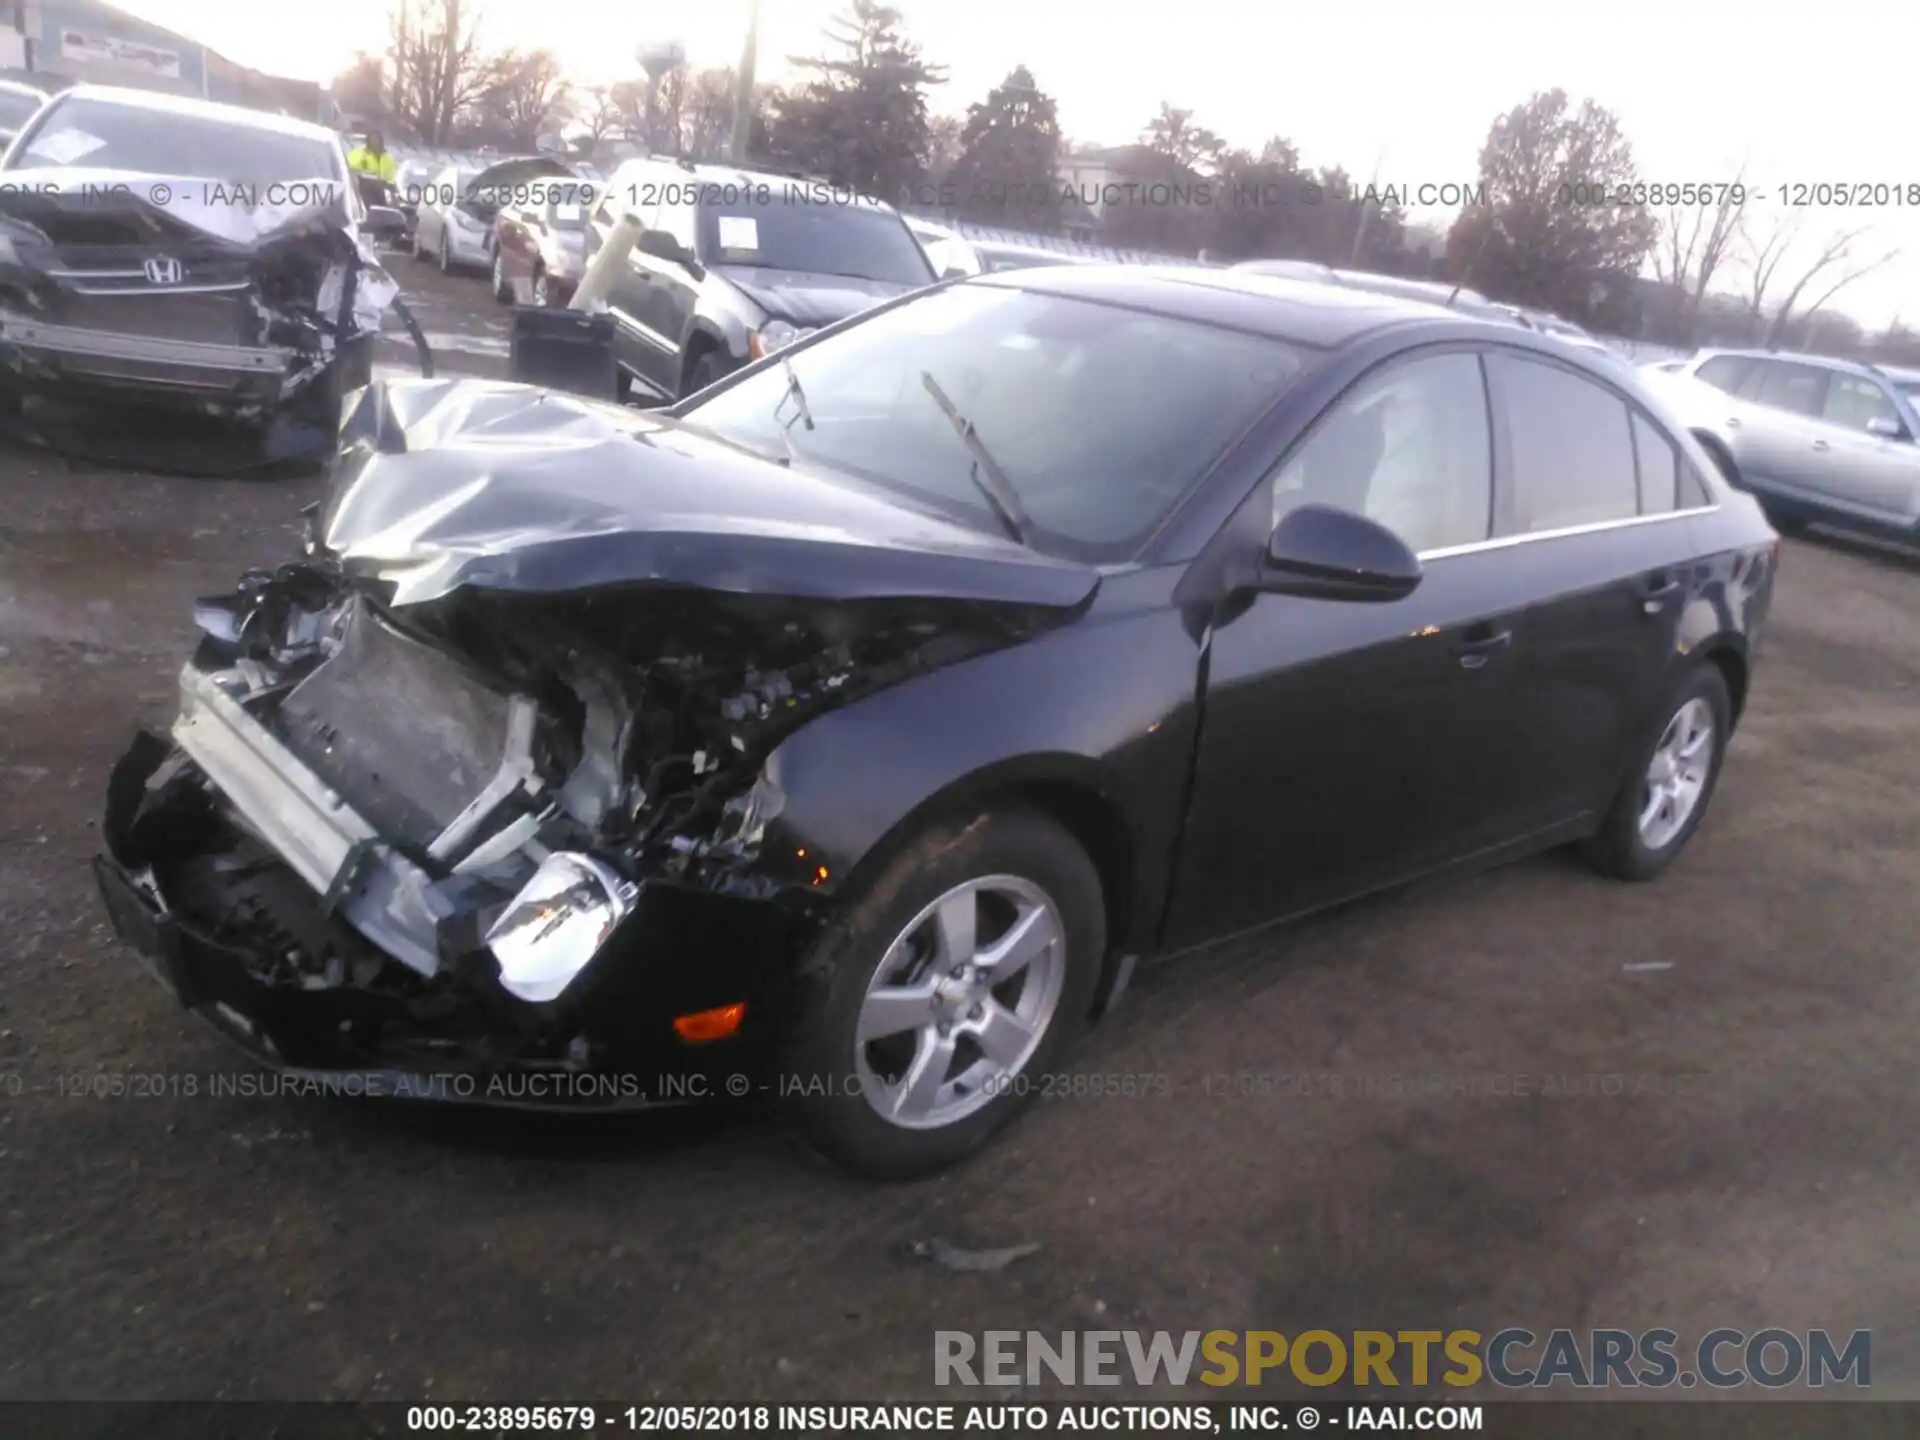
[{"x": 954, "y": 1257}]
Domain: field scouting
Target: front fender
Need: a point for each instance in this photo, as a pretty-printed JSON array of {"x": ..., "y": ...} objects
[{"x": 1099, "y": 713}]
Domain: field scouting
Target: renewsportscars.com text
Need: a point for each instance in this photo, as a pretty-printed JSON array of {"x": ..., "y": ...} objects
[{"x": 1512, "y": 1358}]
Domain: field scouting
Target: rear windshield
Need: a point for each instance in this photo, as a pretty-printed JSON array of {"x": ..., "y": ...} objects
[
  {"x": 102, "y": 134},
  {"x": 821, "y": 237}
]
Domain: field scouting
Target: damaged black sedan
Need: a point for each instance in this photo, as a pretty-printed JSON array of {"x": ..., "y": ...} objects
[
  {"x": 844, "y": 732},
  {"x": 166, "y": 252}
]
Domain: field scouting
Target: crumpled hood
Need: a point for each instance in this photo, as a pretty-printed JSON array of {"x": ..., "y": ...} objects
[
  {"x": 499, "y": 486},
  {"x": 244, "y": 217},
  {"x": 801, "y": 298}
]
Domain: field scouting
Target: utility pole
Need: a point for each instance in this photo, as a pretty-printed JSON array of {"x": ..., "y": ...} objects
[
  {"x": 1360, "y": 227},
  {"x": 743, "y": 89}
]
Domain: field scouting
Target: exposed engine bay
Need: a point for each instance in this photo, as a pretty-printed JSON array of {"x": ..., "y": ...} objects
[{"x": 402, "y": 805}]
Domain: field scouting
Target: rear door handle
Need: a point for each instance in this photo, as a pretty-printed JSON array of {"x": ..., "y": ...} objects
[
  {"x": 1656, "y": 589},
  {"x": 1821, "y": 445},
  {"x": 1478, "y": 644},
  {"x": 1733, "y": 422}
]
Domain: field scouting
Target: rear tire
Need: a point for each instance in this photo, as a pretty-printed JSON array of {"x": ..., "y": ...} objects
[
  {"x": 847, "y": 1079},
  {"x": 502, "y": 287},
  {"x": 1637, "y": 841},
  {"x": 446, "y": 253}
]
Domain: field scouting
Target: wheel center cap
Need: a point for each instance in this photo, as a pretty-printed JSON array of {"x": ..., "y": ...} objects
[{"x": 954, "y": 992}]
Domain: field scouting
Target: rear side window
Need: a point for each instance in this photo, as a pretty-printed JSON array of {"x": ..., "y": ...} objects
[
  {"x": 1724, "y": 372},
  {"x": 1659, "y": 466},
  {"x": 1796, "y": 389},
  {"x": 1571, "y": 448}
]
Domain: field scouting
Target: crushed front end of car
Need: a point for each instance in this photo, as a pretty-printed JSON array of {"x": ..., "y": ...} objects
[
  {"x": 472, "y": 800},
  {"x": 185, "y": 294}
]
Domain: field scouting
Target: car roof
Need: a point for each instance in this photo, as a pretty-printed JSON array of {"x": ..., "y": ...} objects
[
  {"x": 1823, "y": 362},
  {"x": 1304, "y": 312},
  {"x": 205, "y": 109}
]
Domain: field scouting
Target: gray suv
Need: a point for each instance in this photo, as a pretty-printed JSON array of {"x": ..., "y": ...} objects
[
  {"x": 731, "y": 265},
  {"x": 1813, "y": 438}
]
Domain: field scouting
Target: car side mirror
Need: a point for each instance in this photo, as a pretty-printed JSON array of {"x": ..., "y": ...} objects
[
  {"x": 955, "y": 272},
  {"x": 385, "y": 220},
  {"x": 1324, "y": 553},
  {"x": 662, "y": 246},
  {"x": 1886, "y": 427}
]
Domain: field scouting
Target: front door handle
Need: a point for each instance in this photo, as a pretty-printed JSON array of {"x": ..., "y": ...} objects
[
  {"x": 1733, "y": 422},
  {"x": 1478, "y": 644},
  {"x": 1821, "y": 445}
]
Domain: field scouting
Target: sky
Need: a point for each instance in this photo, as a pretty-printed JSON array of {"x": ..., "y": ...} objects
[{"x": 1811, "y": 92}]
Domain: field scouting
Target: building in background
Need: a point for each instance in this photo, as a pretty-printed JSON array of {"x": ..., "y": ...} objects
[{"x": 62, "y": 41}]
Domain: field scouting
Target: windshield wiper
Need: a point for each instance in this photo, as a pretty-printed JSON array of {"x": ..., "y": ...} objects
[
  {"x": 802, "y": 412},
  {"x": 986, "y": 473}
]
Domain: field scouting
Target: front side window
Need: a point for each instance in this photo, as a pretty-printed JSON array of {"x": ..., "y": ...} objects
[
  {"x": 1724, "y": 372},
  {"x": 1571, "y": 447},
  {"x": 1408, "y": 447},
  {"x": 16, "y": 109},
  {"x": 1795, "y": 389},
  {"x": 107, "y": 135},
  {"x": 1100, "y": 418},
  {"x": 1854, "y": 402}
]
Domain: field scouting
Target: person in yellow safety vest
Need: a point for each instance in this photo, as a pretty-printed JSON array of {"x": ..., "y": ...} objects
[{"x": 371, "y": 157}]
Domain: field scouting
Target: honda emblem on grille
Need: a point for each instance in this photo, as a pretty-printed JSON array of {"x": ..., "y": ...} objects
[{"x": 164, "y": 270}]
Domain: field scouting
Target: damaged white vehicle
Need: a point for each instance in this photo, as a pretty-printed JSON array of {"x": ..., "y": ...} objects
[{"x": 181, "y": 253}]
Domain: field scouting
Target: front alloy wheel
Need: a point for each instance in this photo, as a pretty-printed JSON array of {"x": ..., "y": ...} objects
[
  {"x": 1677, "y": 775},
  {"x": 960, "y": 1001},
  {"x": 956, "y": 975}
]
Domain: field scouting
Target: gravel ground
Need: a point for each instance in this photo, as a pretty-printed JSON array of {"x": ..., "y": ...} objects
[{"x": 1759, "y": 1168}]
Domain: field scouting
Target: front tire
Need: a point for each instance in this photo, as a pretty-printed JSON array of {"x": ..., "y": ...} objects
[
  {"x": 1665, "y": 795},
  {"x": 927, "y": 1011},
  {"x": 709, "y": 369}
]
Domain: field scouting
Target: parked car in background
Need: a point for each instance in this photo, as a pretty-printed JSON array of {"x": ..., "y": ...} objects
[
  {"x": 1813, "y": 437},
  {"x": 410, "y": 185},
  {"x": 540, "y": 239},
  {"x": 176, "y": 252},
  {"x": 996, "y": 255},
  {"x": 1291, "y": 270},
  {"x": 855, "y": 719},
  {"x": 18, "y": 102},
  {"x": 732, "y": 265},
  {"x": 947, "y": 251},
  {"x": 453, "y": 225}
]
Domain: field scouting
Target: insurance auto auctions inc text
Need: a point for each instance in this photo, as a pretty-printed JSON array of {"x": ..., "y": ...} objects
[{"x": 1512, "y": 1358}]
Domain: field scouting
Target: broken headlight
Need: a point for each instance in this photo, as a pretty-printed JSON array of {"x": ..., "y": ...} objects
[{"x": 557, "y": 923}]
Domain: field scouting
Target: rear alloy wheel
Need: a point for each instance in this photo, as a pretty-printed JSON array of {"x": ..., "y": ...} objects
[
  {"x": 446, "y": 252},
  {"x": 1665, "y": 794},
  {"x": 502, "y": 291},
  {"x": 962, "y": 971},
  {"x": 542, "y": 294}
]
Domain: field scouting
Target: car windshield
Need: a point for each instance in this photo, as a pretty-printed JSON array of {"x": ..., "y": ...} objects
[
  {"x": 825, "y": 236},
  {"x": 16, "y": 109},
  {"x": 1099, "y": 418},
  {"x": 105, "y": 134}
]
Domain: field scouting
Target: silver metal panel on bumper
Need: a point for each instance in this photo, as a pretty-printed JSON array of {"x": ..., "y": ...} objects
[
  {"x": 76, "y": 346},
  {"x": 330, "y": 846}
]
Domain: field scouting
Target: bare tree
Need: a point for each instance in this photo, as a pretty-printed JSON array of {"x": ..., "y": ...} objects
[
  {"x": 706, "y": 113},
  {"x": 437, "y": 67},
  {"x": 1695, "y": 242},
  {"x": 526, "y": 91},
  {"x": 1835, "y": 260},
  {"x": 601, "y": 116}
]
